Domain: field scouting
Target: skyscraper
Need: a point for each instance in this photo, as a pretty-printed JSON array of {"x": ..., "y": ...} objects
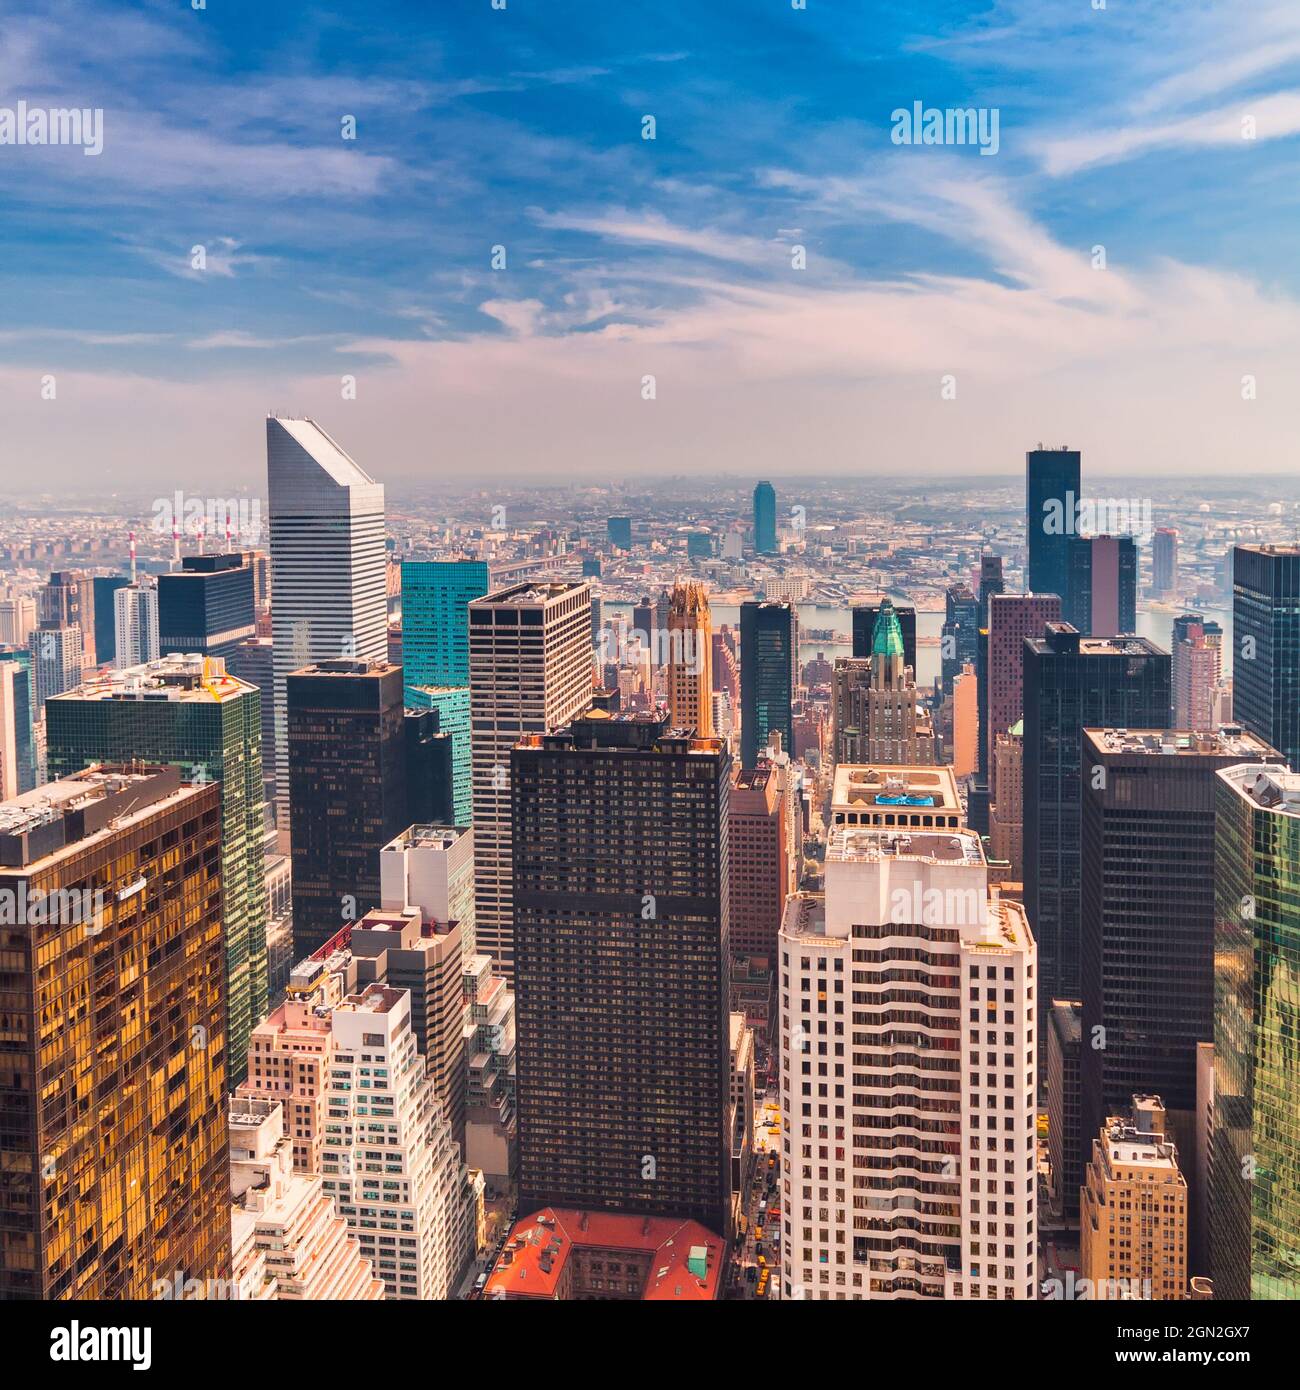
[
  {"x": 1197, "y": 662},
  {"x": 67, "y": 599},
  {"x": 347, "y": 789},
  {"x": 530, "y": 671},
  {"x": 1255, "y": 1156},
  {"x": 103, "y": 588},
  {"x": 1012, "y": 618},
  {"x": 135, "y": 625},
  {"x": 622, "y": 964},
  {"x": 765, "y": 519},
  {"x": 189, "y": 712},
  {"x": 865, "y": 618},
  {"x": 1072, "y": 683},
  {"x": 112, "y": 1090},
  {"x": 56, "y": 661},
  {"x": 207, "y": 606},
  {"x": 17, "y": 755},
  {"x": 690, "y": 659},
  {"x": 909, "y": 1162},
  {"x": 878, "y": 717},
  {"x": 1147, "y": 913},
  {"x": 436, "y": 595},
  {"x": 618, "y": 531},
  {"x": 769, "y": 648},
  {"x": 1266, "y": 644},
  {"x": 1164, "y": 560},
  {"x": 761, "y": 859},
  {"x": 1101, "y": 585},
  {"x": 1133, "y": 1226},
  {"x": 959, "y": 641},
  {"x": 328, "y": 563},
  {"x": 1051, "y": 511}
]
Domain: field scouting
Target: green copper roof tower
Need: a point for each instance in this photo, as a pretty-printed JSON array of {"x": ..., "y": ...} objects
[
  {"x": 887, "y": 640},
  {"x": 186, "y": 710}
]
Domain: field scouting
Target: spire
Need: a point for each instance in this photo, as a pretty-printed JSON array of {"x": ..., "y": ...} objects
[{"x": 887, "y": 639}]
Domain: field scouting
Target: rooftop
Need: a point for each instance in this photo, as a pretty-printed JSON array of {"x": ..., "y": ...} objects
[
  {"x": 1229, "y": 741},
  {"x": 857, "y": 785},
  {"x": 870, "y": 844},
  {"x": 1268, "y": 787},
  {"x": 686, "y": 1262},
  {"x": 188, "y": 677}
]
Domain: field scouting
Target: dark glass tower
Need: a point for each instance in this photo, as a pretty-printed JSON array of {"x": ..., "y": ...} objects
[
  {"x": 347, "y": 790},
  {"x": 769, "y": 647},
  {"x": 865, "y": 618},
  {"x": 960, "y": 639},
  {"x": 1266, "y": 644},
  {"x": 621, "y": 938},
  {"x": 1072, "y": 683},
  {"x": 765, "y": 519},
  {"x": 113, "y": 1075},
  {"x": 1101, "y": 594},
  {"x": 1051, "y": 499},
  {"x": 104, "y": 587},
  {"x": 206, "y": 606},
  {"x": 618, "y": 531},
  {"x": 1147, "y": 914}
]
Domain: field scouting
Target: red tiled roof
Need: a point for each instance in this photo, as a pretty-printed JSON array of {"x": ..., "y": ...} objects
[{"x": 532, "y": 1262}]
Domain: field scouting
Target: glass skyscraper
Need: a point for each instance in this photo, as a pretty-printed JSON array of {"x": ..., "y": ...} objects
[
  {"x": 769, "y": 645},
  {"x": 1051, "y": 495},
  {"x": 1254, "y": 1200},
  {"x": 189, "y": 712},
  {"x": 765, "y": 519},
  {"x": 1072, "y": 683},
  {"x": 436, "y": 595},
  {"x": 1266, "y": 644}
]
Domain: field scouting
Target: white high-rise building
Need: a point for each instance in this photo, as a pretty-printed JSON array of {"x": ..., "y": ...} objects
[
  {"x": 288, "y": 1242},
  {"x": 529, "y": 671},
  {"x": 17, "y": 618},
  {"x": 328, "y": 563},
  {"x": 135, "y": 623},
  {"x": 56, "y": 662},
  {"x": 15, "y": 716},
  {"x": 908, "y": 1076},
  {"x": 389, "y": 1159},
  {"x": 432, "y": 867}
]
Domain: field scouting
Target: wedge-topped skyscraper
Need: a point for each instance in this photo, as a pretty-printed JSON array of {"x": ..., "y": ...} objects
[{"x": 328, "y": 567}]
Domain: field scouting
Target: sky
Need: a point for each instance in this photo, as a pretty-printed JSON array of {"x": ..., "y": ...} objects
[{"x": 500, "y": 276}]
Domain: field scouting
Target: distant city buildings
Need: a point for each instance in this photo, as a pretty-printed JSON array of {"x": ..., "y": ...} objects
[{"x": 1164, "y": 561}]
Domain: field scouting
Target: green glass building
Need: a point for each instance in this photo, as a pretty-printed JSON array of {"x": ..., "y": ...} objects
[
  {"x": 436, "y": 595},
  {"x": 1254, "y": 1198},
  {"x": 182, "y": 710}
]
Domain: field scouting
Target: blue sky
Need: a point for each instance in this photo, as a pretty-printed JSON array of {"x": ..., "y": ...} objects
[{"x": 671, "y": 258}]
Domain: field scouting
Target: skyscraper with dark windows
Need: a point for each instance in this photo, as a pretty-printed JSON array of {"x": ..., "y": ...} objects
[
  {"x": 618, "y": 531},
  {"x": 1101, "y": 589},
  {"x": 1164, "y": 560},
  {"x": 1147, "y": 835},
  {"x": 865, "y": 618},
  {"x": 1051, "y": 512},
  {"x": 765, "y": 519},
  {"x": 1254, "y": 1201},
  {"x": 1266, "y": 644},
  {"x": 769, "y": 648},
  {"x": 113, "y": 1077},
  {"x": 207, "y": 606},
  {"x": 991, "y": 582},
  {"x": 104, "y": 588},
  {"x": 621, "y": 939},
  {"x": 959, "y": 642},
  {"x": 1072, "y": 683},
  {"x": 347, "y": 790}
]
